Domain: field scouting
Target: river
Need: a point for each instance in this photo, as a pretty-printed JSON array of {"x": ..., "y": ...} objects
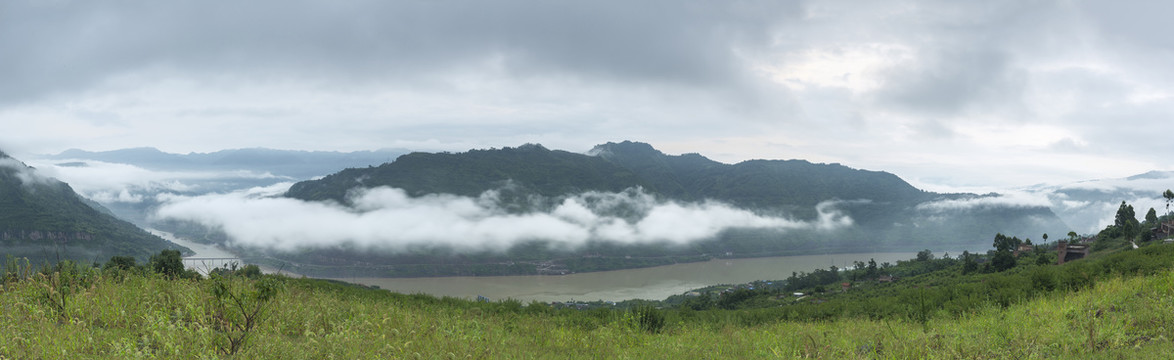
[{"x": 655, "y": 283}]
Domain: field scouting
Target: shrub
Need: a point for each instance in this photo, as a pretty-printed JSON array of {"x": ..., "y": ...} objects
[
  {"x": 120, "y": 262},
  {"x": 239, "y": 305},
  {"x": 61, "y": 282},
  {"x": 649, "y": 319}
]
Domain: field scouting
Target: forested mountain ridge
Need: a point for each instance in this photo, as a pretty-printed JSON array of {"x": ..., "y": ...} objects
[
  {"x": 793, "y": 187},
  {"x": 887, "y": 213},
  {"x": 532, "y": 167},
  {"x": 615, "y": 167},
  {"x": 42, "y": 218},
  {"x": 757, "y": 183}
]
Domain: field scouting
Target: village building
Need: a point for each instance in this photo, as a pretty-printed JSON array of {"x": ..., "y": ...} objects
[
  {"x": 1066, "y": 252},
  {"x": 1023, "y": 248},
  {"x": 1164, "y": 230}
]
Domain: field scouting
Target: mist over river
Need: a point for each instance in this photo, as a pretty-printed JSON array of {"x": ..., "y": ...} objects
[{"x": 656, "y": 283}]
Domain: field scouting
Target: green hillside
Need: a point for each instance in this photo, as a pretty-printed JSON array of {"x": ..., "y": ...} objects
[
  {"x": 43, "y": 219},
  {"x": 1111, "y": 312},
  {"x": 1113, "y": 303}
]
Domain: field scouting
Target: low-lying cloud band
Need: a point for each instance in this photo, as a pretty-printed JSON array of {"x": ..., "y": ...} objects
[{"x": 388, "y": 219}]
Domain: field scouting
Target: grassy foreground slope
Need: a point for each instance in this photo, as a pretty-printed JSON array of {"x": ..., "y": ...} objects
[{"x": 129, "y": 315}]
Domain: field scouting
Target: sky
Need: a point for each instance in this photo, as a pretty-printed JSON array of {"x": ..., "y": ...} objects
[{"x": 948, "y": 95}]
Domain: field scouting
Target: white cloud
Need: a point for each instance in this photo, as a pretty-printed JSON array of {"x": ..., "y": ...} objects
[
  {"x": 27, "y": 176},
  {"x": 1012, "y": 199},
  {"x": 855, "y": 67},
  {"x": 388, "y": 219},
  {"x": 114, "y": 182},
  {"x": 1155, "y": 182},
  {"x": 122, "y": 196}
]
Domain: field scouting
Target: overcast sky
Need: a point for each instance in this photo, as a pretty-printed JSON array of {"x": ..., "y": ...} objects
[{"x": 944, "y": 94}]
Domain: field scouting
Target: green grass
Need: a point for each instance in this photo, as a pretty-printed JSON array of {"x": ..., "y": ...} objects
[{"x": 120, "y": 315}]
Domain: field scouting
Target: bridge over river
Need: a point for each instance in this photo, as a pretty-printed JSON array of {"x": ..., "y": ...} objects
[{"x": 205, "y": 264}]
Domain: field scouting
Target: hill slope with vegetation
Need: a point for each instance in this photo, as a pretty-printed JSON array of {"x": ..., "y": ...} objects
[
  {"x": 134, "y": 313},
  {"x": 1006, "y": 304},
  {"x": 44, "y": 219}
]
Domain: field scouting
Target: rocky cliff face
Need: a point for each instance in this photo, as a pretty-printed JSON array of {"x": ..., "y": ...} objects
[{"x": 38, "y": 235}]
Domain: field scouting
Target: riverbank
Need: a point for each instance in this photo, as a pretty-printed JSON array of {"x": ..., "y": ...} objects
[{"x": 654, "y": 283}]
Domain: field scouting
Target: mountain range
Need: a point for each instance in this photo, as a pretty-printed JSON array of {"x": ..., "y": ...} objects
[
  {"x": 792, "y": 187},
  {"x": 887, "y": 213},
  {"x": 286, "y": 163},
  {"x": 875, "y": 210}
]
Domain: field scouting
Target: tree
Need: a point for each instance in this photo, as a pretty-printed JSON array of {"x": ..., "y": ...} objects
[
  {"x": 1002, "y": 261},
  {"x": 1045, "y": 238},
  {"x": 1126, "y": 220},
  {"x": 1124, "y": 215},
  {"x": 120, "y": 262},
  {"x": 250, "y": 271},
  {"x": 1005, "y": 243},
  {"x": 1169, "y": 195},
  {"x": 699, "y": 302},
  {"x": 1151, "y": 217},
  {"x": 168, "y": 262},
  {"x": 1043, "y": 259},
  {"x": 1073, "y": 236},
  {"x": 1003, "y": 258},
  {"x": 969, "y": 265},
  {"x": 925, "y": 255}
]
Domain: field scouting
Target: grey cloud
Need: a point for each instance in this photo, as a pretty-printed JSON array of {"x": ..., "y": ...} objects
[
  {"x": 1134, "y": 22},
  {"x": 954, "y": 82},
  {"x": 67, "y": 45},
  {"x": 967, "y": 57},
  {"x": 366, "y": 74}
]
